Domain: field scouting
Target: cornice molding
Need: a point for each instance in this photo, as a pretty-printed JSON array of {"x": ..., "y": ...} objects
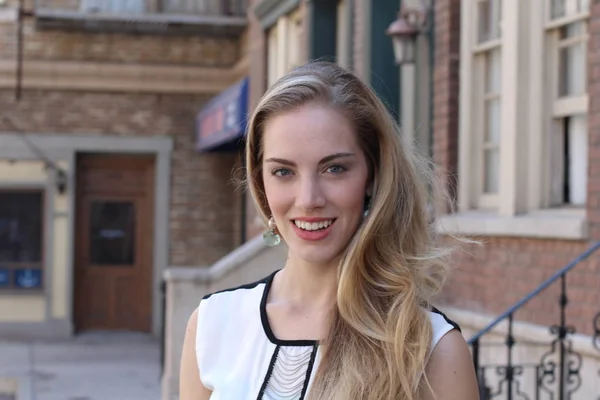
[
  {"x": 269, "y": 11},
  {"x": 87, "y": 76}
]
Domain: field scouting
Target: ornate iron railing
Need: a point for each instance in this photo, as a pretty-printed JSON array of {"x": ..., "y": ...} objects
[{"x": 557, "y": 375}]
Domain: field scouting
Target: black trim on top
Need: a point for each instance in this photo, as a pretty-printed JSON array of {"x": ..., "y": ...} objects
[
  {"x": 245, "y": 286},
  {"x": 448, "y": 320},
  {"x": 261, "y": 392},
  {"x": 267, "y": 327},
  {"x": 311, "y": 364}
]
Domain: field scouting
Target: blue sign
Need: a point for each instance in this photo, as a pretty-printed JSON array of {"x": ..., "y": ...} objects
[
  {"x": 223, "y": 119},
  {"x": 28, "y": 278},
  {"x": 4, "y": 277}
]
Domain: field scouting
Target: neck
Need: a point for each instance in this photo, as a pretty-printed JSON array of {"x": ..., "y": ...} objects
[{"x": 305, "y": 285}]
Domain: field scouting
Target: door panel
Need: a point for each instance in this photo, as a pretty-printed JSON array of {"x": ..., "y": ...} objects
[{"x": 113, "y": 259}]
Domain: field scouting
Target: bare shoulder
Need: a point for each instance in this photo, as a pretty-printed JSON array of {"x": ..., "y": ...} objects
[
  {"x": 190, "y": 386},
  {"x": 450, "y": 370}
]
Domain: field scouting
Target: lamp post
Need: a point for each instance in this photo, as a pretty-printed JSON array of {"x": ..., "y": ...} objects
[{"x": 411, "y": 22}]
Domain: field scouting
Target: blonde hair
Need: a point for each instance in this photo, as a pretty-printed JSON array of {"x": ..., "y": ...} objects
[{"x": 380, "y": 335}]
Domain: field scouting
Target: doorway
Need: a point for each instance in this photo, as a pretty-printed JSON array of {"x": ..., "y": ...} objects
[{"x": 113, "y": 242}]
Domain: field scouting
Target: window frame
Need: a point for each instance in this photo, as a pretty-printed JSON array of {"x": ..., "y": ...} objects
[
  {"x": 39, "y": 266},
  {"x": 282, "y": 56},
  {"x": 526, "y": 115},
  {"x": 561, "y": 106}
]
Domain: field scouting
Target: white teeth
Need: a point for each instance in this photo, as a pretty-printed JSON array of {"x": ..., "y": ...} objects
[{"x": 313, "y": 226}]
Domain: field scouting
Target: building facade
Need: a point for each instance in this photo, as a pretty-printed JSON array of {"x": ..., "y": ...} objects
[
  {"x": 501, "y": 96},
  {"x": 106, "y": 177},
  {"x": 523, "y": 147}
]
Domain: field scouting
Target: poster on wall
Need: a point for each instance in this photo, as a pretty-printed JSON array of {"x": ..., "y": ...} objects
[
  {"x": 4, "y": 277},
  {"x": 28, "y": 278}
]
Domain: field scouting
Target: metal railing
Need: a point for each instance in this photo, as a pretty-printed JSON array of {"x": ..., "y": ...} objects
[
  {"x": 557, "y": 374},
  {"x": 185, "y": 7}
]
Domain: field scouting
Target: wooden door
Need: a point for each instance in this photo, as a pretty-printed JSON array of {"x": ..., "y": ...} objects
[{"x": 113, "y": 245}]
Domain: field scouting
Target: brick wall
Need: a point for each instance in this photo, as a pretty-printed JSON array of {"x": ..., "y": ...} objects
[
  {"x": 492, "y": 277},
  {"x": 193, "y": 50},
  {"x": 202, "y": 196},
  {"x": 202, "y": 224},
  {"x": 257, "y": 53},
  {"x": 593, "y": 198},
  {"x": 446, "y": 91}
]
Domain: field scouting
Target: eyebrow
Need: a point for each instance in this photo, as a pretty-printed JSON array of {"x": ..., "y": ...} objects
[{"x": 324, "y": 160}]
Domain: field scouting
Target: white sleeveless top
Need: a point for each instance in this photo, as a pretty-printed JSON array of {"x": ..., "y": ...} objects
[{"x": 239, "y": 358}]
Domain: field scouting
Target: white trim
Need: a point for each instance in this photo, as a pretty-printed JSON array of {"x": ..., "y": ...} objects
[
  {"x": 512, "y": 106},
  {"x": 466, "y": 115},
  {"x": 557, "y": 23},
  {"x": 567, "y": 106},
  {"x": 8, "y": 15},
  {"x": 539, "y": 104},
  {"x": 487, "y": 46},
  {"x": 569, "y": 224}
]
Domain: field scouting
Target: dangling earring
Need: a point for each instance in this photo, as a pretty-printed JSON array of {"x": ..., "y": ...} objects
[
  {"x": 271, "y": 237},
  {"x": 367, "y": 206}
]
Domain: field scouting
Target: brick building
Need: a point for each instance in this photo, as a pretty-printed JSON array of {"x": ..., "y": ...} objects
[
  {"x": 106, "y": 177},
  {"x": 498, "y": 95},
  {"x": 533, "y": 204},
  {"x": 518, "y": 135},
  {"x": 515, "y": 91}
]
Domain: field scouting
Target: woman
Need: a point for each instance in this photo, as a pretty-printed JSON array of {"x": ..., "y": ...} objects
[{"x": 348, "y": 316}]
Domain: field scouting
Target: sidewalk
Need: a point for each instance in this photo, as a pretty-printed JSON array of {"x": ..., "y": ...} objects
[{"x": 99, "y": 366}]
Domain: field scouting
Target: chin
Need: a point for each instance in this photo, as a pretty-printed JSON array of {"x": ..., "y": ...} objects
[{"x": 318, "y": 258}]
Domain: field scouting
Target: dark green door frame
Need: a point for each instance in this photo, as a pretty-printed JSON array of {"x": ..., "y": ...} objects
[{"x": 323, "y": 29}]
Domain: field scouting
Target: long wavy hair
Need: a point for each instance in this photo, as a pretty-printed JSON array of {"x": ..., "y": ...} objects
[{"x": 380, "y": 334}]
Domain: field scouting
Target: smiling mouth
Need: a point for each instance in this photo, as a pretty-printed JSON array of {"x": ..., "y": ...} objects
[{"x": 313, "y": 226}]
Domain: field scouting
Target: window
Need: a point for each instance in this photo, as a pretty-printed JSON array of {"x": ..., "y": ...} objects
[
  {"x": 344, "y": 34},
  {"x": 112, "y": 233},
  {"x": 284, "y": 44},
  {"x": 567, "y": 51},
  {"x": 21, "y": 239},
  {"x": 523, "y": 124},
  {"x": 487, "y": 53},
  {"x": 567, "y": 8}
]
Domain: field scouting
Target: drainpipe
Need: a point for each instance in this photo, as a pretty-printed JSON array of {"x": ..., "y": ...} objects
[{"x": 163, "y": 302}]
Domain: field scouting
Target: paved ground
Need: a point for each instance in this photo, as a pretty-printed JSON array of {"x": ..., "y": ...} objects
[{"x": 89, "y": 367}]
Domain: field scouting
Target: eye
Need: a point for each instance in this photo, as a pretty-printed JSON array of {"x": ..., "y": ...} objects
[
  {"x": 336, "y": 169},
  {"x": 281, "y": 172}
]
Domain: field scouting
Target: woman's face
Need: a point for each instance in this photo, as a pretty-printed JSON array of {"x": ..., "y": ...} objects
[{"x": 316, "y": 179}]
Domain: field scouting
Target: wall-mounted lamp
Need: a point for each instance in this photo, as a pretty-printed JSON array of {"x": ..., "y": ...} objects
[{"x": 411, "y": 22}]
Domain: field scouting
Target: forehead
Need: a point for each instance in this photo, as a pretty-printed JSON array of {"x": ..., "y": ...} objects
[{"x": 312, "y": 130}]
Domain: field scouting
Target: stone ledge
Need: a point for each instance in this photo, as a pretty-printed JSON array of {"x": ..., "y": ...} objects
[
  {"x": 236, "y": 259},
  {"x": 9, "y": 388},
  {"x": 568, "y": 224},
  {"x": 115, "y": 77}
]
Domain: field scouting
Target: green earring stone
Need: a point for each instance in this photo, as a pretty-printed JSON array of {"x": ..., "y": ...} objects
[{"x": 271, "y": 238}]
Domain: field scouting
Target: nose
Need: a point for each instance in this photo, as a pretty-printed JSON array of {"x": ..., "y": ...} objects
[{"x": 310, "y": 194}]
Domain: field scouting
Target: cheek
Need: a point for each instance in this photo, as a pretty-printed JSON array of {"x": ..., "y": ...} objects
[{"x": 277, "y": 196}]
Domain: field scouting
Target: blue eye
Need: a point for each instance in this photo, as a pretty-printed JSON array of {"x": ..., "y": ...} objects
[
  {"x": 281, "y": 172},
  {"x": 336, "y": 169}
]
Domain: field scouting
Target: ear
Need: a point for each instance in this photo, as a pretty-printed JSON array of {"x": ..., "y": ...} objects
[{"x": 369, "y": 189}]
